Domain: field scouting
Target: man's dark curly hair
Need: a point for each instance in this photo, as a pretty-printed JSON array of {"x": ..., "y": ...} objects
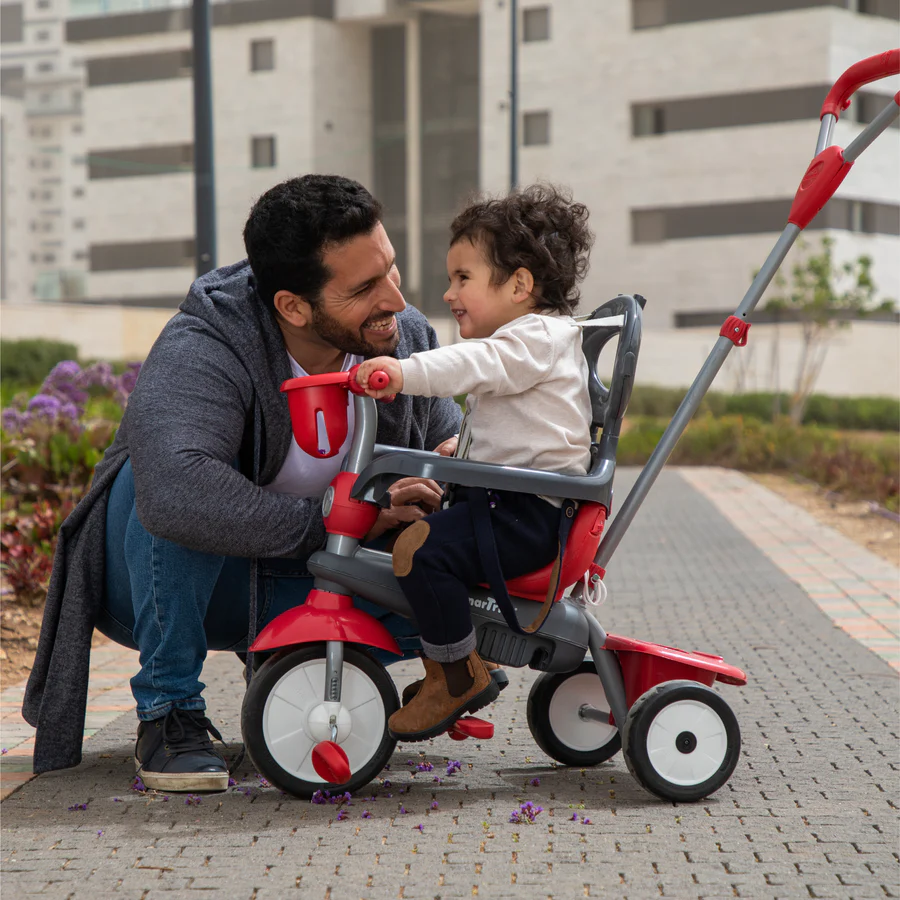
[
  {"x": 538, "y": 228},
  {"x": 292, "y": 223}
]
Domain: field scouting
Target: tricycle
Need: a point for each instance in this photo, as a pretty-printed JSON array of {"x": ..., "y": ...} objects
[{"x": 315, "y": 712}]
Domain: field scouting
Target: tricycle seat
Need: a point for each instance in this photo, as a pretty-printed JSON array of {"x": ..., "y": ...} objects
[{"x": 584, "y": 538}]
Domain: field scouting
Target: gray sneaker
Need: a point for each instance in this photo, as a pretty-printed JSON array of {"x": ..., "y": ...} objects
[{"x": 175, "y": 753}]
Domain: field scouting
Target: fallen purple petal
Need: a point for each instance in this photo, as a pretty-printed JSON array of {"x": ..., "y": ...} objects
[
  {"x": 78, "y": 806},
  {"x": 366, "y": 814},
  {"x": 535, "y": 782},
  {"x": 421, "y": 828},
  {"x": 434, "y": 804},
  {"x": 138, "y": 785}
]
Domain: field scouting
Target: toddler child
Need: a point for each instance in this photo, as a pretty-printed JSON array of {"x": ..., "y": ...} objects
[{"x": 514, "y": 265}]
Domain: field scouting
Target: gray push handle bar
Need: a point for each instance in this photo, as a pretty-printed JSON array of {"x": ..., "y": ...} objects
[{"x": 822, "y": 178}]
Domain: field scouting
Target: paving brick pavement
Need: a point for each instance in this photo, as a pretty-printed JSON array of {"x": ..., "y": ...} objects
[{"x": 811, "y": 810}]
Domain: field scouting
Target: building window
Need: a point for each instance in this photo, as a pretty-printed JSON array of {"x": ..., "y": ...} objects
[
  {"x": 78, "y": 224},
  {"x": 42, "y": 35},
  {"x": 45, "y": 67},
  {"x": 262, "y": 152},
  {"x": 536, "y": 24},
  {"x": 43, "y": 4},
  {"x": 78, "y": 192},
  {"x": 536, "y": 128},
  {"x": 648, "y": 119},
  {"x": 648, "y": 13},
  {"x": 262, "y": 56}
]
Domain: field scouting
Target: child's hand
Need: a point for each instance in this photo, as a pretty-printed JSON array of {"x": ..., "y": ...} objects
[{"x": 385, "y": 364}]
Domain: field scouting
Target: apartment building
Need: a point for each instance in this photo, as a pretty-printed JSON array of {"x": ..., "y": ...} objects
[
  {"x": 43, "y": 225},
  {"x": 685, "y": 125}
]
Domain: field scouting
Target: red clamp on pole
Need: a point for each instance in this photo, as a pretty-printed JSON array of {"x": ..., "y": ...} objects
[
  {"x": 735, "y": 329},
  {"x": 823, "y": 177}
]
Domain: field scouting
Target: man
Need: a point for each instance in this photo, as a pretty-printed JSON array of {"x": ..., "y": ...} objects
[{"x": 204, "y": 475}]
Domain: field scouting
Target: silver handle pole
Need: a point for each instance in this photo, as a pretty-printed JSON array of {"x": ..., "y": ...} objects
[{"x": 691, "y": 401}]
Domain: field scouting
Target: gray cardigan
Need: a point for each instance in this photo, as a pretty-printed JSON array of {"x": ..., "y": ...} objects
[{"x": 214, "y": 372}]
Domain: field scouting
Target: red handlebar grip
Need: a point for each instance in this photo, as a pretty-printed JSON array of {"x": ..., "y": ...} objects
[
  {"x": 866, "y": 70},
  {"x": 379, "y": 380}
]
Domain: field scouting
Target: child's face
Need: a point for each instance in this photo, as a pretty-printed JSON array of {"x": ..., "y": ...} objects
[{"x": 480, "y": 308}]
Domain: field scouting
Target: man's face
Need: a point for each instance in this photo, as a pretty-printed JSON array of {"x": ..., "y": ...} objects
[{"x": 357, "y": 307}]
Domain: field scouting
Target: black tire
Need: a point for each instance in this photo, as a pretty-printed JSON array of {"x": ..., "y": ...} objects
[
  {"x": 681, "y": 741},
  {"x": 264, "y": 697},
  {"x": 556, "y": 725}
]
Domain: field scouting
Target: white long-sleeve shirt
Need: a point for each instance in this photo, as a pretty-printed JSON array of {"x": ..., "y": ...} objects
[{"x": 527, "y": 384}]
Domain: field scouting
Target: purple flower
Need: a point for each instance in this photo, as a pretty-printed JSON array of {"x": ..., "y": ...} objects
[
  {"x": 421, "y": 828},
  {"x": 319, "y": 797},
  {"x": 366, "y": 814},
  {"x": 78, "y": 806},
  {"x": 574, "y": 817},
  {"x": 434, "y": 804},
  {"x": 263, "y": 782},
  {"x": 14, "y": 420},
  {"x": 99, "y": 834},
  {"x": 44, "y": 406},
  {"x": 342, "y": 814},
  {"x": 231, "y": 782},
  {"x": 585, "y": 821},
  {"x": 525, "y": 814},
  {"x": 437, "y": 780},
  {"x": 118, "y": 800},
  {"x": 138, "y": 785},
  {"x": 402, "y": 810},
  {"x": 424, "y": 767},
  {"x": 535, "y": 782},
  {"x": 454, "y": 765},
  {"x": 387, "y": 784},
  {"x": 4, "y": 751},
  {"x": 192, "y": 800}
]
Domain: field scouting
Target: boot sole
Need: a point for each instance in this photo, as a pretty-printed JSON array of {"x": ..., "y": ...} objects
[
  {"x": 479, "y": 701},
  {"x": 182, "y": 781},
  {"x": 499, "y": 676}
]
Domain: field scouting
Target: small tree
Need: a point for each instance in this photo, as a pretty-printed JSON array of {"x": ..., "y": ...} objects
[{"x": 823, "y": 296}]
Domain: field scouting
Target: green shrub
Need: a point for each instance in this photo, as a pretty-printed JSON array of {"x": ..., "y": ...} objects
[
  {"x": 848, "y": 413},
  {"x": 27, "y": 362},
  {"x": 856, "y": 466}
]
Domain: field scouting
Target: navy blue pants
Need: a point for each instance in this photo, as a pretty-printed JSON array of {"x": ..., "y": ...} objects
[{"x": 526, "y": 532}]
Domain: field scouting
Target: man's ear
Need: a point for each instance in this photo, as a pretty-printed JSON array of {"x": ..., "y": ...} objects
[
  {"x": 293, "y": 309},
  {"x": 523, "y": 285}
]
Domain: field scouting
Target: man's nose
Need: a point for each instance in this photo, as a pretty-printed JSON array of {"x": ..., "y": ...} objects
[{"x": 392, "y": 298}]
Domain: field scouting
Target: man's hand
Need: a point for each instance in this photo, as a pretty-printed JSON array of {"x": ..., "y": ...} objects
[
  {"x": 411, "y": 499},
  {"x": 448, "y": 447},
  {"x": 383, "y": 364}
]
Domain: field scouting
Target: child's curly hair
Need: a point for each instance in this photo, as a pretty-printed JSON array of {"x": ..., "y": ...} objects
[{"x": 538, "y": 228}]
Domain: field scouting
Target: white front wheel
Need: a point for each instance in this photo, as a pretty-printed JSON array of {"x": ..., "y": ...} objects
[{"x": 284, "y": 717}]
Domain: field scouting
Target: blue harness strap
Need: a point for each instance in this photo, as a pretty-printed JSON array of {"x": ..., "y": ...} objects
[{"x": 480, "y": 508}]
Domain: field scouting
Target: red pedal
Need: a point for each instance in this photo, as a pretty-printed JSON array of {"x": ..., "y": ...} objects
[
  {"x": 472, "y": 727},
  {"x": 331, "y": 763}
]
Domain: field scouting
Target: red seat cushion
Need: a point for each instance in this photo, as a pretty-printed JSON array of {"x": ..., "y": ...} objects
[{"x": 584, "y": 538}]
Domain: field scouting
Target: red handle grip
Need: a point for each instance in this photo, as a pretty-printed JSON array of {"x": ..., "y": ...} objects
[
  {"x": 377, "y": 381},
  {"x": 866, "y": 70}
]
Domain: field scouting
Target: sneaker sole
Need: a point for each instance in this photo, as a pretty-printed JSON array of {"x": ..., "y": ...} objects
[
  {"x": 499, "y": 676},
  {"x": 479, "y": 701},
  {"x": 182, "y": 781}
]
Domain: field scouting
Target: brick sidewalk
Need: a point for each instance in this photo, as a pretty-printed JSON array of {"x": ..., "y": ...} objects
[{"x": 809, "y": 812}]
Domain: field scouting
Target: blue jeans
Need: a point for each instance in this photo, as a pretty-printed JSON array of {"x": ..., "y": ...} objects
[{"x": 173, "y": 604}]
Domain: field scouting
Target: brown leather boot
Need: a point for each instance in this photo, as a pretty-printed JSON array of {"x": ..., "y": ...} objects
[
  {"x": 434, "y": 709},
  {"x": 497, "y": 673}
]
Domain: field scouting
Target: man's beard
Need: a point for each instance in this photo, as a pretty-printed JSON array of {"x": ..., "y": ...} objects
[{"x": 330, "y": 329}]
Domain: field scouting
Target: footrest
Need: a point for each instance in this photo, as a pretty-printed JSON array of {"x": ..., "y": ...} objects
[{"x": 471, "y": 727}]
